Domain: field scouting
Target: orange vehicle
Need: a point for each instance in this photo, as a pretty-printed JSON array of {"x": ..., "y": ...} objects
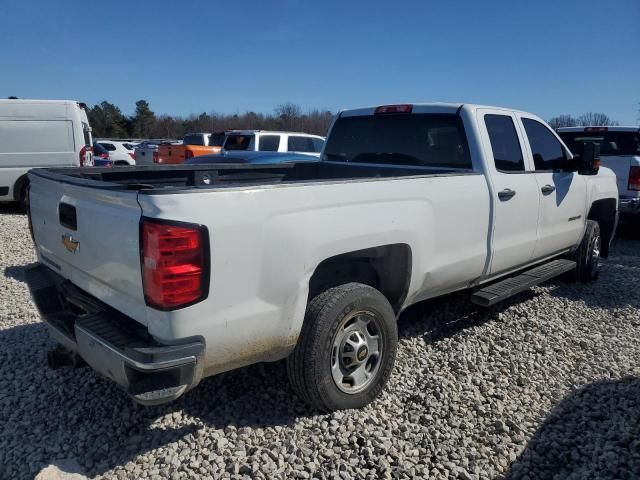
[{"x": 193, "y": 145}]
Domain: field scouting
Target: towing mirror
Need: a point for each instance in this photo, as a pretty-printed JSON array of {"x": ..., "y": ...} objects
[{"x": 589, "y": 161}]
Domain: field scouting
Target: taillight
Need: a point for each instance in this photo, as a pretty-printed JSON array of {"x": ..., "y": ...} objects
[
  {"x": 188, "y": 154},
  {"x": 405, "y": 108},
  {"x": 175, "y": 263},
  {"x": 634, "y": 178},
  {"x": 104, "y": 156},
  {"x": 156, "y": 158},
  {"x": 83, "y": 154},
  {"x": 132, "y": 155}
]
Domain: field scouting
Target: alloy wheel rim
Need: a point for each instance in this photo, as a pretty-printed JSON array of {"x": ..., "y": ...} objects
[{"x": 356, "y": 353}]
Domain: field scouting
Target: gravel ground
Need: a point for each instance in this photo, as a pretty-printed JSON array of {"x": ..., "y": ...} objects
[{"x": 545, "y": 386}]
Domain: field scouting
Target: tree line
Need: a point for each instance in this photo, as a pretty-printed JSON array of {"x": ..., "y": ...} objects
[
  {"x": 584, "y": 120},
  {"x": 108, "y": 121}
]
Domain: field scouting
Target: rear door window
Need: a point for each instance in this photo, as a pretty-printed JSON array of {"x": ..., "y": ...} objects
[
  {"x": 300, "y": 144},
  {"x": 507, "y": 153},
  {"x": 547, "y": 151},
  {"x": 237, "y": 142},
  {"x": 108, "y": 146},
  {"x": 269, "y": 143},
  {"x": 193, "y": 140}
]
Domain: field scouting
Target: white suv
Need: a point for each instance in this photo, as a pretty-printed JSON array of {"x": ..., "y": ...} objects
[
  {"x": 120, "y": 153},
  {"x": 269, "y": 141}
]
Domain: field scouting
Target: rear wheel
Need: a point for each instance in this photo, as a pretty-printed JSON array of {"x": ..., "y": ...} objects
[
  {"x": 346, "y": 349},
  {"x": 587, "y": 256}
]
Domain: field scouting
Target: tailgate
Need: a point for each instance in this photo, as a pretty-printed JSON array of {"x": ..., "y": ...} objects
[
  {"x": 621, "y": 166},
  {"x": 170, "y": 154},
  {"x": 90, "y": 236}
]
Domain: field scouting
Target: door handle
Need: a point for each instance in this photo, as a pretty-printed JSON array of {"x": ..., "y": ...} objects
[
  {"x": 506, "y": 194},
  {"x": 548, "y": 189}
]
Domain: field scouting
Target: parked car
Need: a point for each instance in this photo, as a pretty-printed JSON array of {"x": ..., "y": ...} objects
[
  {"x": 100, "y": 153},
  {"x": 193, "y": 145},
  {"x": 40, "y": 133},
  {"x": 198, "y": 269},
  {"x": 251, "y": 157},
  {"x": 269, "y": 141},
  {"x": 619, "y": 151},
  {"x": 120, "y": 153}
]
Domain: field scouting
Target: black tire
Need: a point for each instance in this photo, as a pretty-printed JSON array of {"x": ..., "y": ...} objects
[
  {"x": 328, "y": 315},
  {"x": 587, "y": 256},
  {"x": 23, "y": 197}
]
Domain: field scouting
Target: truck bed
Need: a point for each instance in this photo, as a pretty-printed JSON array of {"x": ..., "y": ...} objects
[{"x": 173, "y": 178}]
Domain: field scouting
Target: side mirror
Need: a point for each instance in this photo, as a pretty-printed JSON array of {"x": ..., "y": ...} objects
[{"x": 589, "y": 161}]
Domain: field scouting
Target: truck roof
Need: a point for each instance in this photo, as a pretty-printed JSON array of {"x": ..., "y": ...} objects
[
  {"x": 275, "y": 132},
  {"x": 599, "y": 128},
  {"x": 425, "y": 107},
  {"x": 51, "y": 102}
]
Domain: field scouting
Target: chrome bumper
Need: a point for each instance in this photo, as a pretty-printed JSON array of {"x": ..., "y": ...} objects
[{"x": 112, "y": 343}]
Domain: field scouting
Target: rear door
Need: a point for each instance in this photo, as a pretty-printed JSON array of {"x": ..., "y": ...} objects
[
  {"x": 516, "y": 199},
  {"x": 90, "y": 236},
  {"x": 562, "y": 193}
]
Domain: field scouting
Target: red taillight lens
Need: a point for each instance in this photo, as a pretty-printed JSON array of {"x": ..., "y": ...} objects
[
  {"x": 132, "y": 155},
  {"x": 104, "y": 156},
  {"x": 406, "y": 108},
  {"x": 188, "y": 154},
  {"x": 155, "y": 157},
  {"x": 175, "y": 256},
  {"x": 634, "y": 178},
  {"x": 83, "y": 153}
]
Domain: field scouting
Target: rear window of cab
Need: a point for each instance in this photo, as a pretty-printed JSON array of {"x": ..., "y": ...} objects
[{"x": 416, "y": 139}]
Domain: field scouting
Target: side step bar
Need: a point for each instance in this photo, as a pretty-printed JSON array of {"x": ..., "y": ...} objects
[{"x": 503, "y": 289}]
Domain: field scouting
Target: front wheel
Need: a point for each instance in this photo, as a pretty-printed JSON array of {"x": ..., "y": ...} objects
[
  {"x": 346, "y": 350},
  {"x": 587, "y": 256}
]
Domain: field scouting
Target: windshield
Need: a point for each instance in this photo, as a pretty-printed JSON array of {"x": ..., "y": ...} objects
[
  {"x": 422, "y": 139},
  {"x": 611, "y": 143}
]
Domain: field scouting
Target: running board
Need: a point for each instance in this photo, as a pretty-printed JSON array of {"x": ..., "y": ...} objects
[{"x": 503, "y": 289}]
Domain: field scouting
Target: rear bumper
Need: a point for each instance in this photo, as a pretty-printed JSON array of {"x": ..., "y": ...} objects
[
  {"x": 114, "y": 344},
  {"x": 629, "y": 209}
]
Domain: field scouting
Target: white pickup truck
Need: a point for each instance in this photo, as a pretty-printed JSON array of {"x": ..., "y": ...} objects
[
  {"x": 159, "y": 277},
  {"x": 619, "y": 151}
]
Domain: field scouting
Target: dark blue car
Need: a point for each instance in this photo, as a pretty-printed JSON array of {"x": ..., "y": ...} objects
[{"x": 252, "y": 157}]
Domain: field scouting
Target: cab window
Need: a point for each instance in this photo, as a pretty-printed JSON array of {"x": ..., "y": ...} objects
[
  {"x": 507, "y": 153},
  {"x": 546, "y": 149}
]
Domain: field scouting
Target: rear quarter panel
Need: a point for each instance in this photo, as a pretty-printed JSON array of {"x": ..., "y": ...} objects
[{"x": 266, "y": 243}]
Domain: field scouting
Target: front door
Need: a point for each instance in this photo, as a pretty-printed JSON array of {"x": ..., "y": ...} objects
[{"x": 563, "y": 193}]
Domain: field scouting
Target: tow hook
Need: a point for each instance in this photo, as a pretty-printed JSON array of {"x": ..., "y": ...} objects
[{"x": 63, "y": 357}]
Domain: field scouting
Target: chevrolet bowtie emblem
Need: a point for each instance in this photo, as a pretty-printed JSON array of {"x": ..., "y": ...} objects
[{"x": 70, "y": 243}]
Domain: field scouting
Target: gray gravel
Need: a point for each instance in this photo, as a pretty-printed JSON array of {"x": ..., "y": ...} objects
[{"x": 545, "y": 386}]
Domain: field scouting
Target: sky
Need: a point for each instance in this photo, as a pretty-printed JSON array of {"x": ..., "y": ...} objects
[{"x": 548, "y": 57}]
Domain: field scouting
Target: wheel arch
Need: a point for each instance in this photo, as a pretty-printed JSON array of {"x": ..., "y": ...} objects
[
  {"x": 19, "y": 185},
  {"x": 386, "y": 268},
  {"x": 604, "y": 211}
]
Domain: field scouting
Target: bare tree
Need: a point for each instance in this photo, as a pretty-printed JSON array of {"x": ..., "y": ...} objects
[
  {"x": 595, "y": 118},
  {"x": 564, "y": 120}
]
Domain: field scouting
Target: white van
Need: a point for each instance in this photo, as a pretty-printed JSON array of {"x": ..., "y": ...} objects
[{"x": 40, "y": 133}]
